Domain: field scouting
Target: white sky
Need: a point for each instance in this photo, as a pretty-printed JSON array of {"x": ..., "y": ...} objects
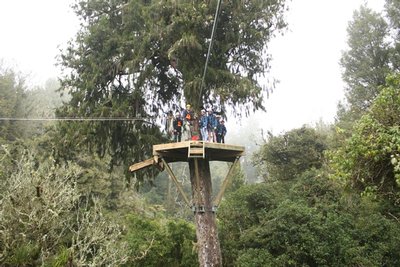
[
  {"x": 305, "y": 59},
  {"x": 31, "y": 32}
]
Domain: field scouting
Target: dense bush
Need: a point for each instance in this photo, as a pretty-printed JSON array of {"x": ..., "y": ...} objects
[
  {"x": 313, "y": 224},
  {"x": 45, "y": 222},
  {"x": 160, "y": 242},
  {"x": 369, "y": 159},
  {"x": 285, "y": 156}
]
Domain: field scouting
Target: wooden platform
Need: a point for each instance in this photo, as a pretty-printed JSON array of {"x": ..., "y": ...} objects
[{"x": 182, "y": 151}]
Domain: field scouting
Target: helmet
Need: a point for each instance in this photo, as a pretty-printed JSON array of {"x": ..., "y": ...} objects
[
  {"x": 188, "y": 106},
  {"x": 178, "y": 114}
]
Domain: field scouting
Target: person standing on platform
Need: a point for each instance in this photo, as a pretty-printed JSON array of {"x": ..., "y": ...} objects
[
  {"x": 188, "y": 116},
  {"x": 178, "y": 127},
  {"x": 203, "y": 122},
  {"x": 212, "y": 124},
  {"x": 221, "y": 131},
  {"x": 169, "y": 125},
  {"x": 186, "y": 131}
]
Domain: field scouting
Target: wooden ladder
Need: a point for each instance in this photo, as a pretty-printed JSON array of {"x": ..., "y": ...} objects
[{"x": 196, "y": 150}]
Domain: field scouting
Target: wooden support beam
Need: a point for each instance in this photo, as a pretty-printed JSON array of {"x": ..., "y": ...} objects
[
  {"x": 221, "y": 192},
  {"x": 141, "y": 165},
  {"x": 147, "y": 163},
  {"x": 178, "y": 185}
]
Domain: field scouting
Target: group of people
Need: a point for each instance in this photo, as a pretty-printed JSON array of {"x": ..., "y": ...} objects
[
  {"x": 188, "y": 126},
  {"x": 212, "y": 127}
]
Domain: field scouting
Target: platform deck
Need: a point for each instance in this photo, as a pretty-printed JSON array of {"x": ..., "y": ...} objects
[{"x": 175, "y": 152}]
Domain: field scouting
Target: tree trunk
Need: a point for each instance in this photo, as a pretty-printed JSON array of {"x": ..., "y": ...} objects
[{"x": 209, "y": 251}]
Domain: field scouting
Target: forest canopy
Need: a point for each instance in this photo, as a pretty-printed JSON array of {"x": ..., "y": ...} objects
[{"x": 323, "y": 195}]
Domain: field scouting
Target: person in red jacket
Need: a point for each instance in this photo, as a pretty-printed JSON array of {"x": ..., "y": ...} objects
[
  {"x": 188, "y": 118},
  {"x": 188, "y": 114}
]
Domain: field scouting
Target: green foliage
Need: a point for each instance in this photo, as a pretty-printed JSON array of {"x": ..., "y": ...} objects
[
  {"x": 60, "y": 259},
  {"x": 24, "y": 254},
  {"x": 157, "y": 242},
  {"x": 306, "y": 222},
  {"x": 120, "y": 66},
  {"x": 240, "y": 211},
  {"x": 369, "y": 159},
  {"x": 254, "y": 257},
  {"x": 290, "y": 154},
  {"x": 43, "y": 214}
]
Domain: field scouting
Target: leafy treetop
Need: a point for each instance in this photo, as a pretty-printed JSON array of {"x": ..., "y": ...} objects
[{"x": 143, "y": 58}]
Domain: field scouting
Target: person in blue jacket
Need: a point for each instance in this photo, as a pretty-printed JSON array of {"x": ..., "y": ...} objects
[{"x": 221, "y": 131}]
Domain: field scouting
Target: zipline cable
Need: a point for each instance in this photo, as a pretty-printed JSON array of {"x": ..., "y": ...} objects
[
  {"x": 75, "y": 119},
  {"x": 209, "y": 47}
]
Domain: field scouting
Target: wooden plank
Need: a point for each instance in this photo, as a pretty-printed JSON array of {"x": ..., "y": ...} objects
[
  {"x": 169, "y": 146},
  {"x": 223, "y": 146},
  {"x": 141, "y": 165},
  {"x": 186, "y": 144},
  {"x": 196, "y": 150}
]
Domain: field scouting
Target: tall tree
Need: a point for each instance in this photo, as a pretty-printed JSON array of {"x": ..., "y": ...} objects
[
  {"x": 366, "y": 62},
  {"x": 141, "y": 58}
]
